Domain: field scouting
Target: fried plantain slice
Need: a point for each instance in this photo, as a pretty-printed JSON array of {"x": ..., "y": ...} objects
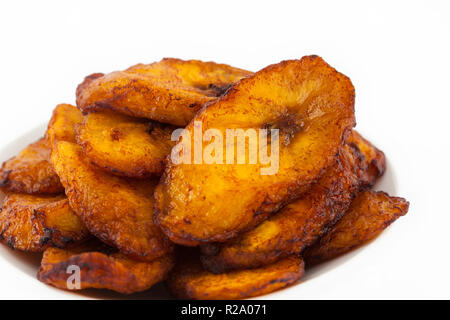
[
  {"x": 302, "y": 222},
  {"x": 169, "y": 91},
  {"x": 30, "y": 171},
  {"x": 375, "y": 158},
  {"x": 312, "y": 106},
  {"x": 61, "y": 126},
  {"x": 125, "y": 146},
  {"x": 101, "y": 268},
  {"x": 369, "y": 214},
  {"x": 36, "y": 222},
  {"x": 297, "y": 225},
  {"x": 116, "y": 210},
  {"x": 190, "y": 281}
]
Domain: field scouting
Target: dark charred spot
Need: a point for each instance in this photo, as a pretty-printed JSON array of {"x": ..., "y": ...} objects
[
  {"x": 273, "y": 281},
  {"x": 288, "y": 125},
  {"x": 4, "y": 178},
  {"x": 257, "y": 213},
  {"x": 219, "y": 90},
  {"x": 267, "y": 202},
  {"x": 192, "y": 105},
  {"x": 187, "y": 221},
  {"x": 43, "y": 241},
  {"x": 48, "y": 233},
  {"x": 4, "y": 230},
  {"x": 354, "y": 146},
  {"x": 36, "y": 215},
  {"x": 116, "y": 134},
  {"x": 214, "y": 89},
  {"x": 10, "y": 241}
]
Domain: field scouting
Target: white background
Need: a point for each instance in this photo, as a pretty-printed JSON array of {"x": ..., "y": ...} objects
[{"x": 396, "y": 53}]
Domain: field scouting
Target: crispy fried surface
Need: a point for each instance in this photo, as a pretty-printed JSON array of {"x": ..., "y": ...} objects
[
  {"x": 312, "y": 106},
  {"x": 125, "y": 146},
  {"x": 297, "y": 225},
  {"x": 30, "y": 171},
  {"x": 34, "y": 223},
  {"x": 376, "y": 161},
  {"x": 302, "y": 222},
  {"x": 169, "y": 91},
  {"x": 102, "y": 269},
  {"x": 116, "y": 210},
  {"x": 370, "y": 213},
  {"x": 190, "y": 281},
  {"x": 61, "y": 126}
]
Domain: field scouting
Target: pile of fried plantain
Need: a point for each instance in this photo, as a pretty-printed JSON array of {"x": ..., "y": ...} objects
[
  {"x": 101, "y": 193},
  {"x": 298, "y": 224},
  {"x": 311, "y": 105}
]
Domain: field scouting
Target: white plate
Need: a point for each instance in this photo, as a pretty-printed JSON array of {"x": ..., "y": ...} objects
[{"x": 22, "y": 267}]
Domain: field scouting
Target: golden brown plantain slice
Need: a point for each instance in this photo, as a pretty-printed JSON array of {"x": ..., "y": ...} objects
[
  {"x": 169, "y": 91},
  {"x": 116, "y": 210},
  {"x": 30, "y": 171},
  {"x": 61, "y": 126},
  {"x": 101, "y": 268},
  {"x": 297, "y": 225},
  {"x": 34, "y": 223},
  {"x": 370, "y": 213},
  {"x": 376, "y": 161},
  {"x": 190, "y": 281},
  {"x": 312, "y": 106},
  {"x": 125, "y": 146},
  {"x": 302, "y": 222}
]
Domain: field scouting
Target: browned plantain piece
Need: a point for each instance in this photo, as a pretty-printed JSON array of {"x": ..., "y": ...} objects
[
  {"x": 376, "y": 161},
  {"x": 298, "y": 224},
  {"x": 116, "y": 210},
  {"x": 101, "y": 268},
  {"x": 169, "y": 91},
  {"x": 30, "y": 171},
  {"x": 125, "y": 146},
  {"x": 370, "y": 213},
  {"x": 61, "y": 126},
  {"x": 34, "y": 223},
  {"x": 312, "y": 106},
  {"x": 190, "y": 281}
]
